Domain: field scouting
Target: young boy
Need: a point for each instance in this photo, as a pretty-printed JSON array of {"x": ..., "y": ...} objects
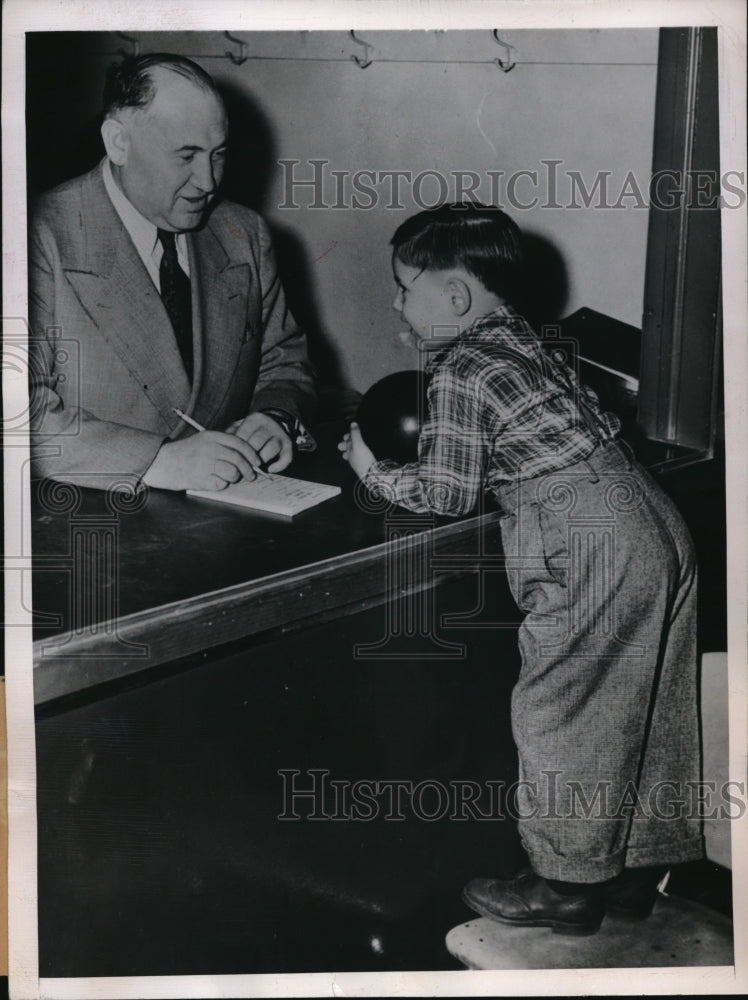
[{"x": 604, "y": 712}]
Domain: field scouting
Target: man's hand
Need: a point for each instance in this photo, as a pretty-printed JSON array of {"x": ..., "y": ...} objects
[
  {"x": 356, "y": 453},
  {"x": 209, "y": 460},
  {"x": 267, "y": 438}
]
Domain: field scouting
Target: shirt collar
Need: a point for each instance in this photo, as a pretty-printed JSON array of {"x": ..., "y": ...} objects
[
  {"x": 142, "y": 232},
  {"x": 504, "y": 323}
]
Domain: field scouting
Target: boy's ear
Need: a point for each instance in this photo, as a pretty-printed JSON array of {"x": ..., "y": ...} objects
[
  {"x": 460, "y": 298},
  {"x": 115, "y": 137}
]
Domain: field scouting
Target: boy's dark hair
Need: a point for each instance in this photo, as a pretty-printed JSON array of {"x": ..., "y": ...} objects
[
  {"x": 481, "y": 239},
  {"x": 129, "y": 84}
]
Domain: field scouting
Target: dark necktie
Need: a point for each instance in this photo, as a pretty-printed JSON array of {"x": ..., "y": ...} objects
[{"x": 175, "y": 294}]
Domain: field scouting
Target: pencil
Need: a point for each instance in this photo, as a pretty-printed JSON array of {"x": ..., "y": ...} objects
[
  {"x": 188, "y": 420},
  {"x": 199, "y": 427}
]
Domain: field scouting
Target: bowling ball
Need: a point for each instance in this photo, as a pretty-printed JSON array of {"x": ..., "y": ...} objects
[{"x": 390, "y": 416}]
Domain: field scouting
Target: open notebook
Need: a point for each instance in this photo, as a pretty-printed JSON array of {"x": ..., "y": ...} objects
[{"x": 275, "y": 494}]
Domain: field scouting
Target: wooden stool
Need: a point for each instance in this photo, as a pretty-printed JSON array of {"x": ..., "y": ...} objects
[{"x": 678, "y": 933}]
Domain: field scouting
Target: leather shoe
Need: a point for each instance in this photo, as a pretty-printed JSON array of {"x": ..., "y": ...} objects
[
  {"x": 528, "y": 901},
  {"x": 633, "y": 892}
]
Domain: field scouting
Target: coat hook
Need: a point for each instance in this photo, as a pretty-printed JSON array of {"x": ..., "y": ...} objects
[
  {"x": 135, "y": 51},
  {"x": 365, "y": 62},
  {"x": 237, "y": 60},
  {"x": 509, "y": 63}
]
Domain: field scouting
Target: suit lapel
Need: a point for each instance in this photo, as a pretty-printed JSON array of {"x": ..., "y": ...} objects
[
  {"x": 220, "y": 288},
  {"x": 115, "y": 289},
  {"x": 113, "y": 286}
]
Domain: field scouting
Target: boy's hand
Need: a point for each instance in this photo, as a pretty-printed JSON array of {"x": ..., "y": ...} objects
[{"x": 356, "y": 453}]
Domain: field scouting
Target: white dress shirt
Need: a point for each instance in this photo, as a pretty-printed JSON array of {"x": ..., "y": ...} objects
[{"x": 142, "y": 232}]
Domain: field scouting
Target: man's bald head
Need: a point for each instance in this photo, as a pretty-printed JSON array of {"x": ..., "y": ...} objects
[
  {"x": 132, "y": 83},
  {"x": 165, "y": 135}
]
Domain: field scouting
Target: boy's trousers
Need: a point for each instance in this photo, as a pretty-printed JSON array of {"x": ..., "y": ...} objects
[{"x": 605, "y": 712}]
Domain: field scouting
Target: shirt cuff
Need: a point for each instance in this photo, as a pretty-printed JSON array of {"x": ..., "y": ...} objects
[
  {"x": 380, "y": 477},
  {"x": 300, "y": 436}
]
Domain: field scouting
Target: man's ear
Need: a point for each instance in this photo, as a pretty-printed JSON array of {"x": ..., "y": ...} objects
[
  {"x": 116, "y": 140},
  {"x": 460, "y": 298}
]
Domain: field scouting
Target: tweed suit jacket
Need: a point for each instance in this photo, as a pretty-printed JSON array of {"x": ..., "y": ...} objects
[{"x": 105, "y": 369}]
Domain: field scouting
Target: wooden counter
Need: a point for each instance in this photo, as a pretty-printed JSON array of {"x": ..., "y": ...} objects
[{"x": 123, "y": 586}]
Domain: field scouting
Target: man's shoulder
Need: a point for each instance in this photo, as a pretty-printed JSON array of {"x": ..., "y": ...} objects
[
  {"x": 239, "y": 229},
  {"x": 232, "y": 212},
  {"x": 69, "y": 197}
]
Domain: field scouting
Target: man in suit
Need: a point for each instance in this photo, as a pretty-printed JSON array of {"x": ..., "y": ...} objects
[{"x": 163, "y": 298}]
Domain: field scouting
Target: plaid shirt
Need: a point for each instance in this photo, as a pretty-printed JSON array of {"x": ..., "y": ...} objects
[{"x": 500, "y": 410}]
